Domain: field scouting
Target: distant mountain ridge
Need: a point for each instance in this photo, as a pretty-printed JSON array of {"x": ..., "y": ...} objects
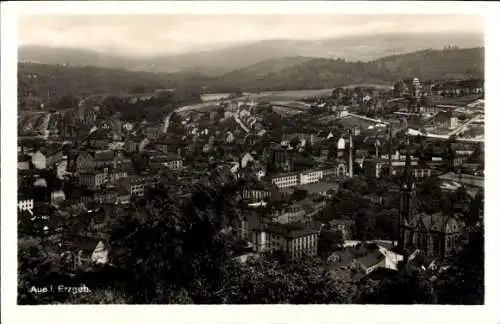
[
  {"x": 224, "y": 60},
  {"x": 288, "y": 73}
]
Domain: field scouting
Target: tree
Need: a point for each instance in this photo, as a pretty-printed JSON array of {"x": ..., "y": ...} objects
[
  {"x": 386, "y": 224},
  {"x": 329, "y": 241},
  {"x": 66, "y": 101},
  {"x": 38, "y": 267},
  {"x": 264, "y": 281},
  {"x": 409, "y": 287},
  {"x": 170, "y": 252},
  {"x": 463, "y": 282},
  {"x": 138, "y": 89}
]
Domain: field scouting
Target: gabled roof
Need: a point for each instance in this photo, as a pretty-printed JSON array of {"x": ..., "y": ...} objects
[
  {"x": 371, "y": 259},
  {"x": 81, "y": 243}
]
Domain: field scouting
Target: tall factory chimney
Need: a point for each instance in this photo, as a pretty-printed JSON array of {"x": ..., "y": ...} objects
[
  {"x": 351, "y": 171},
  {"x": 390, "y": 149}
]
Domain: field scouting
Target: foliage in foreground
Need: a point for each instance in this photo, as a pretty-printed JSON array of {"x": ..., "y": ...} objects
[{"x": 167, "y": 253}]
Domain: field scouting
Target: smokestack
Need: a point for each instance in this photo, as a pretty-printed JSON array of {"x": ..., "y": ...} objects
[{"x": 351, "y": 173}]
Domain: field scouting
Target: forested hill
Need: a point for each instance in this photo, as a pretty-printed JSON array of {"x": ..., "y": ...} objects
[
  {"x": 327, "y": 73},
  {"x": 58, "y": 80},
  {"x": 431, "y": 64},
  {"x": 288, "y": 74}
]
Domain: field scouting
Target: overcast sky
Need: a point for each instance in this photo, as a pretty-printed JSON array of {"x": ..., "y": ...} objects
[{"x": 147, "y": 34}]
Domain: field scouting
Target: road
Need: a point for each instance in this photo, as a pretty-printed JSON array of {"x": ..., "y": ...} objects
[
  {"x": 460, "y": 128},
  {"x": 166, "y": 122},
  {"x": 378, "y": 121},
  {"x": 241, "y": 123}
]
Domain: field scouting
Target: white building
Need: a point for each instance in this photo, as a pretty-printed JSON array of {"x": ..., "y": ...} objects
[
  {"x": 285, "y": 180},
  {"x": 310, "y": 176},
  {"x": 26, "y": 204}
]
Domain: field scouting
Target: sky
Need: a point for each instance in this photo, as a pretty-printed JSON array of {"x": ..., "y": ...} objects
[{"x": 174, "y": 34}]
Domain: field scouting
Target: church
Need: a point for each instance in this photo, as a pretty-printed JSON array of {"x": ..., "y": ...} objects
[{"x": 436, "y": 236}]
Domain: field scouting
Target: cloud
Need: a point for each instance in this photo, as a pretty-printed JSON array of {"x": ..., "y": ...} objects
[{"x": 155, "y": 34}]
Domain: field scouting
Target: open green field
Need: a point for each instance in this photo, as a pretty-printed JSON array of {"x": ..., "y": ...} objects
[{"x": 288, "y": 95}]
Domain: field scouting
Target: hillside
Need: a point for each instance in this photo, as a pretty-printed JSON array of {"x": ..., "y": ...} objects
[
  {"x": 84, "y": 81},
  {"x": 432, "y": 64},
  {"x": 74, "y": 57},
  {"x": 290, "y": 73},
  {"x": 327, "y": 73},
  {"x": 220, "y": 61}
]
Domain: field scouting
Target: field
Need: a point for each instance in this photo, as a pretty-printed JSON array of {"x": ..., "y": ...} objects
[
  {"x": 286, "y": 112},
  {"x": 214, "y": 96},
  {"x": 288, "y": 95},
  {"x": 383, "y": 87}
]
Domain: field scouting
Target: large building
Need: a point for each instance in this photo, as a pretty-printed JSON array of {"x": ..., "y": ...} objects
[
  {"x": 293, "y": 240},
  {"x": 436, "y": 235}
]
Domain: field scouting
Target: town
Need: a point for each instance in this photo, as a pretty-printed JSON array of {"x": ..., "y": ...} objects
[{"x": 365, "y": 182}]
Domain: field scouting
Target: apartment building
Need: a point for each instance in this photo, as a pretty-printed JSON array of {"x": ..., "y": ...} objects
[{"x": 294, "y": 240}]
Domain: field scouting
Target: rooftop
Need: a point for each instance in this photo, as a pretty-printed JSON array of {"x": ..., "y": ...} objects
[{"x": 319, "y": 187}]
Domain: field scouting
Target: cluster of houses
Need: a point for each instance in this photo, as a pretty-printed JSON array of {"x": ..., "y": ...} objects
[{"x": 289, "y": 175}]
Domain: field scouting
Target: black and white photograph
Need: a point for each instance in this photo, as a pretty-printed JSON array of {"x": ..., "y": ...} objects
[{"x": 249, "y": 159}]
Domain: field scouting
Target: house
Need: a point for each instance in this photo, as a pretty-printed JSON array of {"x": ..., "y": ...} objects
[
  {"x": 26, "y": 204},
  {"x": 92, "y": 179},
  {"x": 115, "y": 174},
  {"x": 84, "y": 162},
  {"x": 354, "y": 263},
  {"x": 257, "y": 191},
  {"x": 444, "y": 119},
  {"x": 290, "y": 214},
  {"x": 279, "y": 159},
  {"x": 245, "y": 159},
  {"x": 294, "y": 240},
  {"x": 172, "y": 161},
  {"x": 45, "y": 158},
  {"x": 371, "y": 262},
  {"x": 229, "y": 138},
  {"x": 23, "y": 162},
  {"x": 101, "y": 196},
  {"x": 84, "y": 251},
  {"x": 89, "y": 160},
  {"x": 57, "y": 197},
  {"x": 131, "y": 145},
  {"x": 207, "y": 148},
  {"x": 136, "y": 185}
]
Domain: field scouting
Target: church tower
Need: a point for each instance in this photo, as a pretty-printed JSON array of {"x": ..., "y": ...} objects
[
  {"x": 416, "y": 87},
  {"x": 407, "y": 207}
]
